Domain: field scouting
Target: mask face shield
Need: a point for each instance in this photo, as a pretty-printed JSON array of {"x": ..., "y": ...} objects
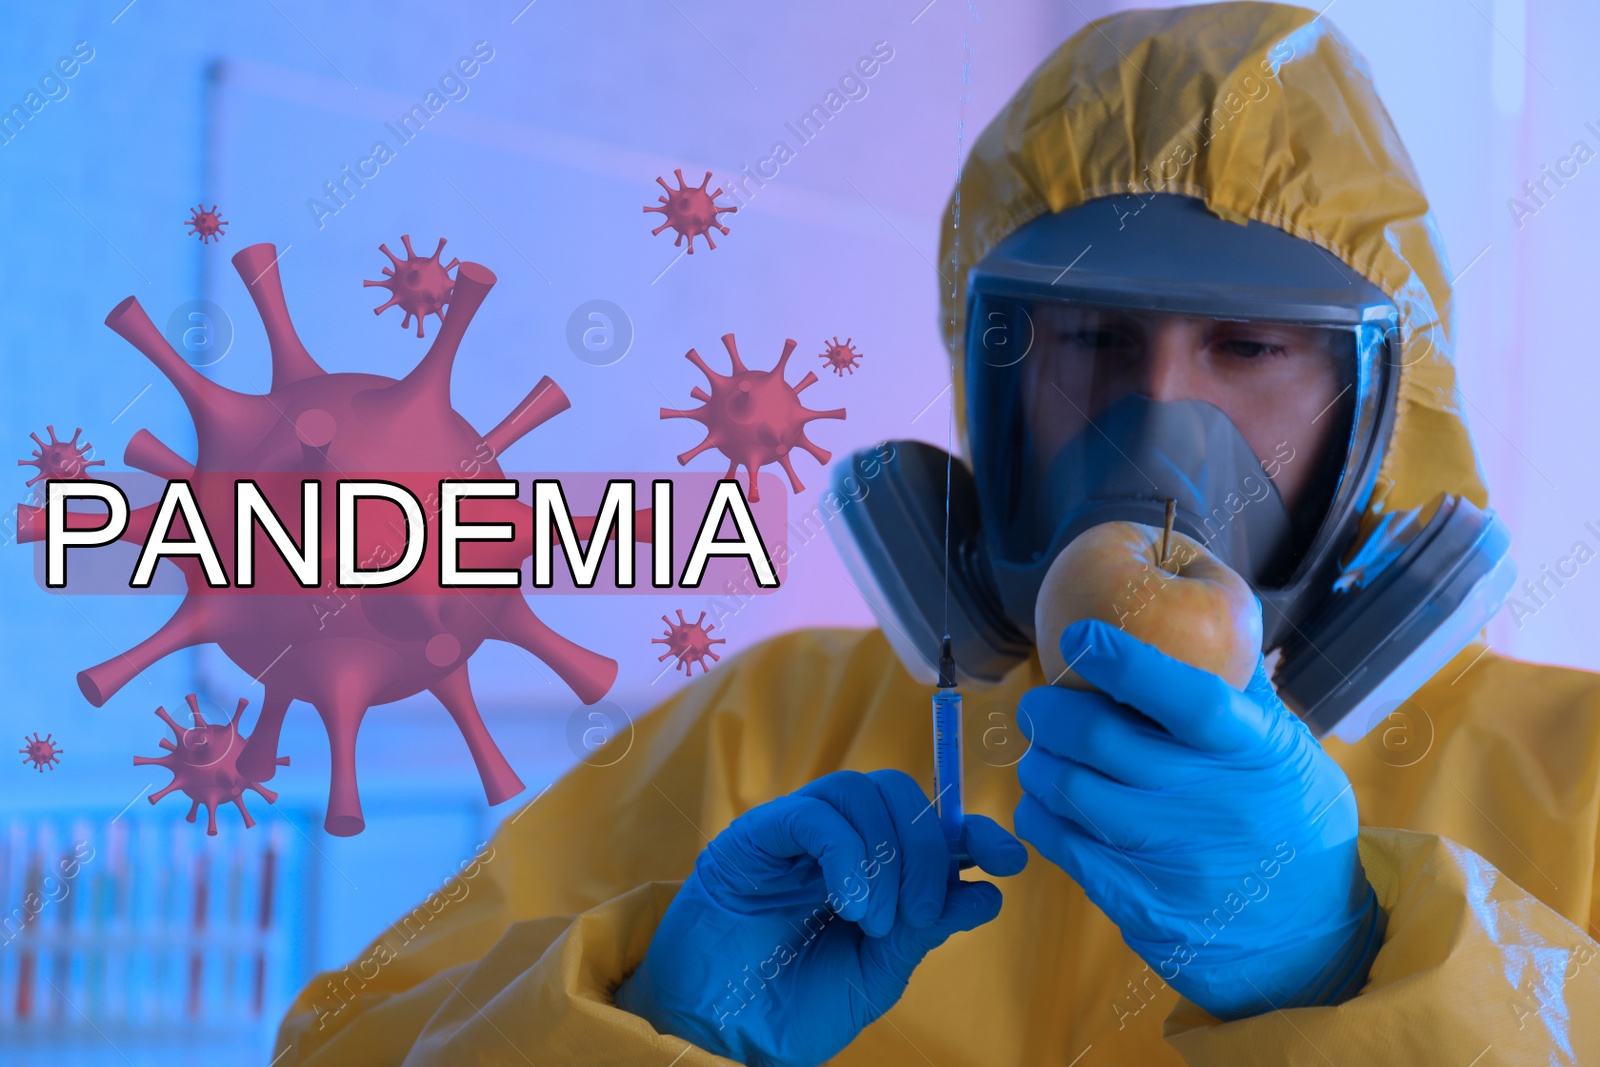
[
  {"x": 1138, "y": 349},
  {"x": 1087, "y": 413}
]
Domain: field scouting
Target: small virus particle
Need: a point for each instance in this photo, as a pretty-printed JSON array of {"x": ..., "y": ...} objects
[
  {"x": 40, "y": 753},
  {"x": 689, "y": 641},
  {"x": 421, "y": 286},
  {"x": 840, "y": 357},
  {"x": 690, "y": 210},
  {"x": 206, "y": 225},
  {"x": 753, "y": 417},
  {"x": 61, "y": 460},
  {"x": 205, "y": 764}
]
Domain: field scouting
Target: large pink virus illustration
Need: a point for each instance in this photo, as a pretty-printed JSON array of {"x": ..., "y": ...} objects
[
  {"x": 419, "y": 285},
  {"x": 690, "y": 641},
  {"x": 206, "y": 225},
  {"x": 205, "y": 764},
  {"x": 342, "y": 650},
  {"x": 840, "y": 357},
  {"x": 41, "y": 752},
  {"x": 690, "y": 210},
  {"x": 753, "y": 417},
  {"x": 62, "y": 460}
]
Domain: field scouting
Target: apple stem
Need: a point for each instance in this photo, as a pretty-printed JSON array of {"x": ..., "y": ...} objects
[{"x": 1166, "y": 532}]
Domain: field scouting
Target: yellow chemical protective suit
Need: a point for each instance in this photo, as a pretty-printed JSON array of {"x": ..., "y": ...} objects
[{"x": 1481, "y": 848}]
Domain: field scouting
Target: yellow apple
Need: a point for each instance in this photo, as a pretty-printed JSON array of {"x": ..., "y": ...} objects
[{"x": 1195, "y": 609}]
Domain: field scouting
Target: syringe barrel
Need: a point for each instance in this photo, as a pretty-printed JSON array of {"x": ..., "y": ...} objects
[{"x": 947, "y": 767}]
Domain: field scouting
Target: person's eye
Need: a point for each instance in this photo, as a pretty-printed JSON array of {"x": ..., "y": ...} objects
[{"x": 1243, "y": 348}]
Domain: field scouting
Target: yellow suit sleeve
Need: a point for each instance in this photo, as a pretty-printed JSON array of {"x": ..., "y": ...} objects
[
  {"x": 516, "y": 958},
  {"x": 541, "y": 994},
  {"x": 1473, "y": 970}
]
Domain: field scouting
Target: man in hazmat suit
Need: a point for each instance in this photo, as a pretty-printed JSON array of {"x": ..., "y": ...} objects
[{"x": 1229, "y": 288}]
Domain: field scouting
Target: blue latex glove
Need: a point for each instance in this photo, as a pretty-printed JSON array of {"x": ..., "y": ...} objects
[
  {"x": 1206, "y": 822},
  {"x": 803, "y": 920}
]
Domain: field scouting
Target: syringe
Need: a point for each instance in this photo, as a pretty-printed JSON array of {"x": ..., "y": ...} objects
[{"x": 947, "y": 760}]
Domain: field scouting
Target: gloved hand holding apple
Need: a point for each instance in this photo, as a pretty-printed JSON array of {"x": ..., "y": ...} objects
[{"x": 1193, "y": 808}]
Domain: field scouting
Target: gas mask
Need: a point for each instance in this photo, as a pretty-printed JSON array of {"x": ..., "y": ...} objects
[{"x": 1132, "y": 351}]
